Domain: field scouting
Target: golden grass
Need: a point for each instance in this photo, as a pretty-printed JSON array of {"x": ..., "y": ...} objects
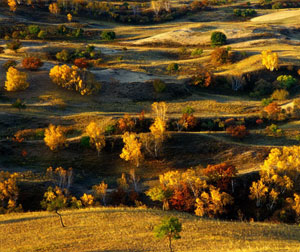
[{"x": 130, "y": 229}]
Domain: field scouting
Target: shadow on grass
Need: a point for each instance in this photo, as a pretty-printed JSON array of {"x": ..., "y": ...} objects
[{"x": 23, "y": 219}]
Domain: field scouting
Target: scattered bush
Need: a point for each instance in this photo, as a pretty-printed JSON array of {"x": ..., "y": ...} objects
[
  {"x": 172, "y": 68},
  {"x": 108, "y": 35},
  {"x": 197, "y": 52},
  {"x": 15, "y": 80},
  {"x": 34, "y": 30},
  {"x": 273, "y": 130},
  {"x": 202, "y": 78},
  {"x": 218, "y": 39},
  {"x": 14, "y": 45},
  {"x": 19, "y": 104},
  {"x": 81, "y": 63},
  {"x": 220, "y": 56},
  {"x": 266, "y": 101},
  {"x": 244, "y": 13},
  {"x": 280, "y": 94},
  {"x": 63, "y": 56},
  {"x": 159, "y": 85},
  {"x": 32, "y": 63},
  {"x": 286, "y": 81}
]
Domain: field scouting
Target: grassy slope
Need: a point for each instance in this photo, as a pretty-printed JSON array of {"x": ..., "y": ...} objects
[{"x": 125, "y": 229}]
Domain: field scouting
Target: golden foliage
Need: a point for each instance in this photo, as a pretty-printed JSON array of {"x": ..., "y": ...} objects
[
  {"x": 69, "y": 17},
  {"x": 100, "y": 191},
  {"x": 212, "y": 203},
  {"x": 53, "y": 8},
  {"x": 96, "y": 134},
  {"x": 132, "y": 149},
  {"x": 12, "y": 5},
  {"x": 87, "y": 200},
  {"x": 269, "y": 59},
  {"x": 15, "y": 80},
  {"x": 73, "y": 78},
  {"x": 54, "y": 137},
  {"x": 160, "y": 110}
]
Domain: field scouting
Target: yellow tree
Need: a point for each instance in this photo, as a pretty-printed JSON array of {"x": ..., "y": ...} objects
[
  {"x": 132, "y": 148},
  {"x": 100, "y": 191},
  {"x": 258, "y": 192},
  {"x": 15, "y": 80},
  {"x": 270, "y": 59},
  {"x": 96, "y": 134},
  {"x": 69, "y": 17},
  {"x": 54, "y": 9},
  {"x": 12, "y": 5},
  {"x": 54, "y": 137}
]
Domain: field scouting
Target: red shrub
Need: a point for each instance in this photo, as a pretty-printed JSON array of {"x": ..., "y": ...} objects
[
  {"x": 239, "y": 131},
  {"x": 182, "y": 199},
  {"x": 32, "y": 63},
  {"x": 81, "y": 63}
]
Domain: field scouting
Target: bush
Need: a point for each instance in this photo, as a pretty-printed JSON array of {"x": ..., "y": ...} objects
[
  {"x": 172, "y": 67},
  {"x": 81, "y": 63},
  {"x": 280, "y": 94},
  {"x": 14, "y": 45},
  {"x": 63, "y": 56},
  {"x": 32, "y": 63},
  {"x": 273, "y": 130},
  {"x": 159, "y": 85},
  {"x": 218, "y": 39},
  {"x": 8, "y": 64},
  {"x": 19, "y": 104},
  {"x": 73, "y": 78},
  {"x": 203, "y": 78},
  {"x": 108, "y": 35},
  {"x": 239, "y": 131},
  {"x": 197, "y": 52},
  {"x": 42, "y": 34},
  {"x": 277, "y": 5},
  {"x": 244, "y": 13},
  {"x": 261, "y": 88},
  {"x": 15, "y": 80},
  {"x": 220, "y": 56},
  {"x": 266, "y": 101},
  {"x": 286, "y": 81},
  {"x": 34, "y": 30}
]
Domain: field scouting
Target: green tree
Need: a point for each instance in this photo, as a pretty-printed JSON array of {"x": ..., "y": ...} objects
[{"x": 169, "y": 228}]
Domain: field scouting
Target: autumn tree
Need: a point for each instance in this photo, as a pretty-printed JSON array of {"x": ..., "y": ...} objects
[
  {"x": 61, "y": 177},
  {"x": 32, "y": 63},
  {"x": 9, "y": 193},
  {"x": 87, "y": 200},
  {"x": 170, "y": 228},
  {"x": 132, "y": 148},
  {"x": 15, "y": 80},
  {"x": 54, "y": 137},
  {"x": 270, "y": 59},
  {"x": 220, "y": 175},
  {"x": 69, "y": 17},
  {"x": 156, "y": 7},
  {"x": 12, "y": 5},
  {"x": 237, "y": 131},
  {"x": 96, "y": 135},
  {"x": 212, "y": 203},
  {"x": 160, "y": 194},
  {"x": 54, "y": 9},
  {"x": 100, "y": 192},
  {"x": 126, "y": 123}
]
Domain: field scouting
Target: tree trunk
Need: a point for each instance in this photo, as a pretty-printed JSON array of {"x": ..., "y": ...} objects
[
  {"x": 61, "y": 220},
  {"x": 170, "y": 243}
]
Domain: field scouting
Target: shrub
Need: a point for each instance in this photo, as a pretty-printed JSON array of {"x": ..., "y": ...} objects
[
  {"x": 239, "y": 131},
  {"x": 197, "y": 52},
  {"x": 277, "y": 5},
  {"x": 81, "y": 63},
  {"x": 273, "y": 130},
  {"x": 159, "y": 85},
  {"x": 220, "y": 56},
  {"x": 187, "y": 121},
  {"x": 188, "y": 110},
  {"x": 244, "y": 13},
  {"x": 14, "y": 45},
  {"x": 8, "y": 64},
  {"x": 85, "y": 141},
  {"x": 126, "y": 123},
  {"x": 73, "y": 78},
  {"x": 286, "y": 81},
  {"x": 32, "y": 63},
  {"x": 108, "y": 35},
  {"x": 19, "y": 104},
  {"x": 42, "y": 34},
  {"x": 15, "y": 80},
  {"x": 77, "y": 33},
  {"x": 172, "y": 68},
  {"x": 261, "y": 88},
  {"x": 34, "y": 29},
  {"x": 218, "y": 39},
  {"x": 280, "y": 94},
  {"x": 266, "y": 101},
  {"x": 64, "y": 56},
  {"x": 202, "y": 78}
]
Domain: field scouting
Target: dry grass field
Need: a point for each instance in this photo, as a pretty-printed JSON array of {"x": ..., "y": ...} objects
[{"x": 130, "y": 229}]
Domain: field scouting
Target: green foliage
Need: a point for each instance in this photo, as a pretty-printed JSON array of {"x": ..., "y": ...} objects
[
  {"x": 218, "y": 39},
  {"x": 244, "y": 13},
  {"x": 197, "y": 52},
  {"x": 274, "y": 130},
  {"x": 159, "y": 85},
  {"x": 110, "y": 129},
  {"x": 170, "y": 228},
  {"x": 77, "y": 33},
  {"x": 280, "y": 94},
  {"x": 34, "y": 30},
  {"x": 19, "y": 104},
  {"x": 172, "y": 68},
  {"x": 286, "y": 81},
  {"x": 8, "y": 64},
  {"x": 277, "y": 5},
  {"x": 188, "y": 110},
  {"x": 261, "y": 88},
  {"x": 266, "y": 101},
  {"x": 42, "y": 34},
  {"x": 63, "y": 56},
  {"x": 85, "y": 141},
  {"x": 108, "y": 35}
]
